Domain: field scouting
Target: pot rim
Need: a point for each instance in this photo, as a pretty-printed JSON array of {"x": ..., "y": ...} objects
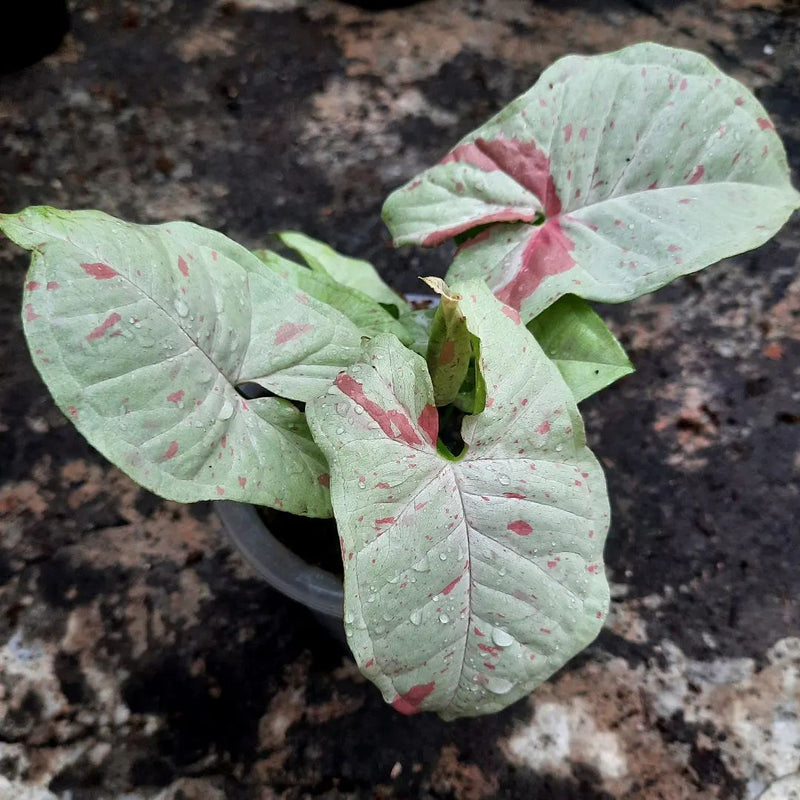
[{"x": 283, "y": 570}]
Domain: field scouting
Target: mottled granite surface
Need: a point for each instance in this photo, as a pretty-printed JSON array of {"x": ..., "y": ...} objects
[{"x": 141, "y": 658}]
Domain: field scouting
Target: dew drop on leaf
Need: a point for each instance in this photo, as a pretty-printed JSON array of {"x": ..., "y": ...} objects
[
  {"x": 415, "y": 618},
  {"x": 226, "y": 412},
  {"x": 502, "y": 638},
  {"x": 498, "y": 685},
  {"x": 181, "y": 309}
]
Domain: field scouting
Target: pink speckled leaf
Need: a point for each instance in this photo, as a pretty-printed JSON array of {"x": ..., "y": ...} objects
[
  {"x": 142, "y": 334},
  {"x": 612, "y": 176},
  {"x": 467, "y": 582}
]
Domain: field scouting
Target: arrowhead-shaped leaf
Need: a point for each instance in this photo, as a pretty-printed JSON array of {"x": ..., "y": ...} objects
[
  {"x": 352, "y": 272},
  {"x": 142, "y": 334},
  {"x": 609, "y": 178},
  {"x": 467, "y": 583},
  {"x": 587, "y": 354}
]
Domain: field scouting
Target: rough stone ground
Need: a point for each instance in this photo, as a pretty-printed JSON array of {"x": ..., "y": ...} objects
[{"x": 140, "y": 658}]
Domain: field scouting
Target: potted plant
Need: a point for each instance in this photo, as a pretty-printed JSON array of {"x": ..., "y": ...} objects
[{"x": 448, "y": 444}]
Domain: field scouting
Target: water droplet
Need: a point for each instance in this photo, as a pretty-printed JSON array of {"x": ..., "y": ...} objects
[
  {"x": 348, "y": 618},
  {"x": 498, "y": 685},
  {"x": 339, "y": 431},
  {"x": 362, "y": 484},
  {"x": 181, "y": 309},
  {"x": 502, "y": 638},
  {"x": 422, "y": 565},
  {"x": 393, "y": 579},
  {"x": 359, "y": 409},
  {"x": 444, "y": 619},
  {"x": 559, "y": 448},
  {"x": 342, "y": 409},
  {"x": 631, "y": 227},
  {"x": 415, "y": 618},
  {"x": 443, "y": 556},
  {"x": 226, "y": 412},
  {"x": 504, "y": 479}
]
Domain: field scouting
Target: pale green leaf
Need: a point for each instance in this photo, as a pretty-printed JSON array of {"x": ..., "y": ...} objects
[
  {"x": 469, "y": 582},
  {"x": 142, "y": 334},
  {"x": 352, "y": 272},
  {"x": 612, "y": 176},
  {"x": 585, "y": 351}
]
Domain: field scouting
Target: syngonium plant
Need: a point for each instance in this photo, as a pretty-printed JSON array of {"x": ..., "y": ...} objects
[{"x": 448, "y": 445}]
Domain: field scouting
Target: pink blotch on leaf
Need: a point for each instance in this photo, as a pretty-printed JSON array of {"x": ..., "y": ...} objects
[
  {"x": 544, "y": 428},
  {"x": 220, "y": 491},
  {"x": 450, "y": 586},
  {"x": 593, "y": 569},
  {"x": 698, "y": 173},
  {"x": 170, "y": 452},
  {"x": 582, "y": 133},
  {"x": 99, "y": 271},
  {"x": 290, "y": 330},
  {"x": 242, "y": 481},
  {"x": 72, "y": 411},
  {"x": 428, "y": 421},
  {"x": 684, "y": 84},
  {"x": 448, "y": 352},
  {"x": 98, "y": 332},
  {"x": 514, "y": 495},
  {"x": 52, "y": 286},
  {"x": 410, "y": 702},
  {"x": 567, "y": 132},
  {"x": 30, "y": 314},
  {"x": 765, "y": 124},
  {"x": 32, "y": 286},
  {"x": 512, "y": 314},
  {"x": 176, "y": 397},
  {"x": 324, "y": 480},
  {"x": 520, "y": 527},
  {"x": 183, "y": 266}
]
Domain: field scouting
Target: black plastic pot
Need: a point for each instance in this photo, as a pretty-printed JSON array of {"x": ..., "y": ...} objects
[{"x": 319, "y": 591}]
